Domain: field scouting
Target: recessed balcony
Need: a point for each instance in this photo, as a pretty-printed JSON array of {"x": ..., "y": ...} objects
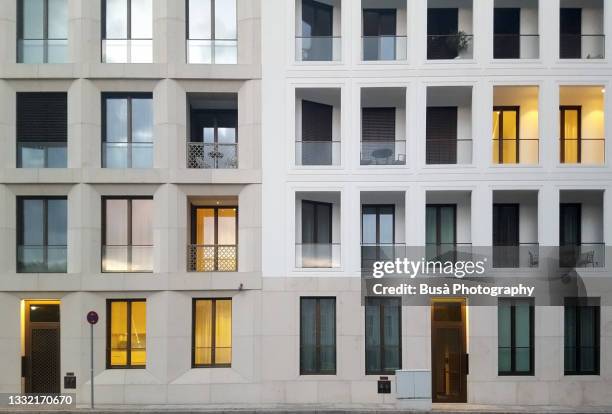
[
  {"x": 384, "y": 30},
  {"x": 449, "y": 29},
  {"x": 581, "y": 29},
  {"x": 448, "y": 231},
  {"x": 515, "y": 29},
  {"x": 318, "y": 29}
]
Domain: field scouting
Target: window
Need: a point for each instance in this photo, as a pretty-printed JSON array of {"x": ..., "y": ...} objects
[
  {"x": 126, "y": 338},
  {"x": 127, "y": 31},
  {"x": 515, "y": 328},
  {"x": 582, "y": 336},
  {"x": 380, "y": 40},
  {"x": 318, "y": 336},
  {"x": 214, "y": 237},
  {"x": 212, "y": 333},
  {"x": 506, "y": 129},
  {"x": 441, "y": 231},
  {"x": 42, "y": 129},
  {"x": 211, "y": 32},
  {"x": 127, "y": 130},
  {"x": 317, "y": 230},
  {"x": 42, "y": 31},
  {"x": 317, "y": 31},
  {"x": 214, "y": 138},
  {"x": 127, "y": 232},
  {"x": 42, "y": 234},
  {"x": 506, "y": 235},
  {"x": 383, "y": 327}
]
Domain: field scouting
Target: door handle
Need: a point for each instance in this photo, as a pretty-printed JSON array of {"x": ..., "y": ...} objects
[{"x": 467, "y": 364}]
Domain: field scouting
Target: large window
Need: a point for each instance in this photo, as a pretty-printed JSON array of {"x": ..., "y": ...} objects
[
  {"x": 127, "y": 130},
  {"x": 582, "y": 336},
  {"x": 42, "y": 129},
  {"x": 212, "y": 333},
  {"x": 214, "y": 235},
  {"x": 42, "y": 31},
  {"x": 383, "y": 327},
  {"x": 126, "y": 339},
  {"x": 127, "y": 235},
  {"x": 318, "y": 336},
  {"x": 515, "y": 327},
  {"x": 211, "y": 33},
  {"x": 127, "y": 31},
  {"x": 42, "y": 234}
]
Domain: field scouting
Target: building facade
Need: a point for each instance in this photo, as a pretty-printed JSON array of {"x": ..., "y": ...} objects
[{"x": 213, "y": 177}]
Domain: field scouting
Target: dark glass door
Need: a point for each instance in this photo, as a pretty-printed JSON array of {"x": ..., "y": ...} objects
[
  {"x": 377, "y": 234},
  {"x": 317, "y": 121},
  {"x": 571, "y": 33},
  {"x": 441, "y": 135},
  {"x": 316, "y": 234},
  {"x": 442, "y": 28},
  {"x": 41, "y": 363},
  {"x": 570, "y": 237},
  {"x": 571, "y": 134},
  {"x": 448, "y": 352},
  {"x": 507, "y": 30},
  {"x": 441, "y": 231},
  {"x": 506, "y": 134},
  {"x": 317, "y": 30},
  {"x": 217, "y": 130},
  {"x": 506, "y": 235},
  {"x": 379, "y": 31}
]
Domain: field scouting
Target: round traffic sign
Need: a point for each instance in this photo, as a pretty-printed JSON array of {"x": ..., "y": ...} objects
[{"x": 92, "y": 317}]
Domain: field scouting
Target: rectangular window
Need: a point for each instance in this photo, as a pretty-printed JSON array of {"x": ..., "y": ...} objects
[
  {"x": 515, "y": 327},
  {"x": 212, "y": 35},
  {"x": 127, "y": 231},
  {"x": 42, "y": 31},
  {"x": 212, "y": 333},
  {"x": 214, "y": 235},
  {"x": 42, "y": 234},
  {"x": 383, "y": 327},
  {"x": 126, "y": 338},
  {"x": 127, "y": 130},
  {"x": 506, "y": 141},
  {"x": 127, "y": 31},
  {"x": 42, "y": 129},
  {"x": 582, "y": 336},
  {"x": 318, "y": 336}
]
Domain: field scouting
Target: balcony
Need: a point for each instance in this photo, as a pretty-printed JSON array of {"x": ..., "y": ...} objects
[
  {"x": 42, "y": 155},
  {"x": 371, "y": 253},
  {"x": 584, "y": 255},
  {"x": 37, "y": 51},
  {"x": 384, "y": 30},
  {"x": 318, "y": 48},
  {"x": 583, "y": 46},
  {"x": 385, "y": 48},
  {"x": 581, "y": 29},
  {"x": 448, "y": 217},
  {"x": 317, "y": 255},
  {"x": 523, "y": 255},
  {"x": 42, "y": 259},
  {"x": 317, "y": 30},
  {"x": 515, "y": 29},
  {"x": 127, "y": 50},
  {"x": 212, "y": 51},
  {"x": 212, "y": 258},
  {"x": 127, "y": 259},
  {"x": 212, "y": 156},
  {"x": 317, "y": 153},
  {"x": 449, "y": 29},
  {"x": 383, "y": 153},
  {"x": 450, "y": 46},
  {"x": 127, "y": 154},
  {"x": 516, "y": 151},
  {"x": 516, "y": 46},
  {"x": 448, "y": 252}
]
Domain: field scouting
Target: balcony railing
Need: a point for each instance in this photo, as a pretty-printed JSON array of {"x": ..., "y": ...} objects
[
  {"x": 450, "y": 46},
  {"x": 522, "y": 255},
  {"x": 212, "y": 156},
  {"x": 317, "y": 255},
  {"x": 127, "y": 155},
  {"x": 582, "y": 46},
  {"x": 584, "y": 255},
  {"x": 587, "y": 151},
  {"x": 444, "y": 252},
  {"x": 383, "y": 152},
  {"x": 212, "y": 258},
  {"x": 127, "y": 50},
  {"x": 385, "y": 48},
  {"x": 371, "y": 253},
  {"x": 42, "y": 259},
  {"x": 516, "y": 151},
  {"x": 516, "y": 46},
  {"x": 318, "y": 48},
  {"x": 212, "y": 51},
  {"x": 42, "y": 155},
  {"x": 42, "y": 51},
  {"x": 317, "y": 153},
  {"x": 449, "y": 151},
  {"x": 127, "y": 259}
]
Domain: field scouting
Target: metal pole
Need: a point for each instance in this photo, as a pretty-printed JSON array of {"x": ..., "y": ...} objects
[{"x": 92, "y": 367}]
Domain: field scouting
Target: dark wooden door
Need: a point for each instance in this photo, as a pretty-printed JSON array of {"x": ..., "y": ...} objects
[
  {"x": 448, "y": 351},
  {"x": 42, "y": 349}
]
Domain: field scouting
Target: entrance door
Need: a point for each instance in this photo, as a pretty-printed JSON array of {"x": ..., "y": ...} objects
[
  {"x": 448, "y": 351},
  {"x": 506, "y": 235},
  {"x": 571, "y": 134},
  {"x": 506, "y": 134},
  {"x": 41, "y": 364}
]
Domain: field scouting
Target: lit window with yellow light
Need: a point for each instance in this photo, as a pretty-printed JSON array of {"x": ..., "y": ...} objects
[
  {"x": 212, "y": 333},
  {"x": 127, "y": 342}
]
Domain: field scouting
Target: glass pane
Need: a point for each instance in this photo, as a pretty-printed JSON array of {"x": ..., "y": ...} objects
[
  {"x": 327, "y": 334},
  {"x": 225, "y": 19},
  {"x": 57, "y": 51},
  {"x": 116, "y": 19},
  {"x": 368, "y": 223},
  {"x": 504, "y": 363},
  {"x": 44, "y": 313},
  {"x": 32, "y": 156},
  {"x": 139, "y": 333},
  {"x": 503, "y": 325},
  {"x": 205, "y": 226},
  {"x": 372, "y": 336},
  {"x": 509, "y": 127},
  {"x": 203, "y": 332},
  {"x": 200, "y": 19},
  {"x": 142, "y": 155},
  {"x": 308, "y": 333},
  {"x": 33, "y": 222},
  {"x": 323, "y": 223},
  {"x": 209, "y": 135},
  {"x": 142, "y": 120},
  {"x": 223, "y": 332},
  {"x": 587, "y": 326},
  {"x": 119, "y": 333},
  {"x": 142, "y": 19},
  {"x": 226, "y": 135},
  {"x": 116, "y": 222},
  {"x": 571, "y": 124},
  {"x": 33, "y": 16},
  {"x": 116, "y": 120},
  {"x": 496, "y": 116},
  {"x": 431, "y": 225},
  {"x": 226, "y": 52},
  {"x": 386, "y": 221},
  {"x": 57, "y": 222},
  {"x": 227, "y": 226},
  {"x": 57, "y": 157},
  {"x": 570, "y": 326},
  {"x": 523, "y": 325},
  {"x": 142, "y": 222},
  {"x": 58, "y": 19},
  {"x": 447, "y": 225}
]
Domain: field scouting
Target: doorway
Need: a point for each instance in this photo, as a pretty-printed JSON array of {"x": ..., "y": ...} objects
[
  {"x": 449, "y": 359},
  {"x": 506, "y": 134},
  {"x": 40, "y": 364},
  {"x": 571, "y": 134}
]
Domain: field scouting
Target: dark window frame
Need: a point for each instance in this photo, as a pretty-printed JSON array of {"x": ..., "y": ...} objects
[
  {"x": 438, "y": 207},
  {"x": 109, "y": 321},
  {"x": 193, "y": 230},
  {"x": 381, "y": 334},
  {"x": 378, "y": 208},
  {"x": 513, "y": 348},
  {"x": 318, "y": 370},
  {"x": 501, "y": 139},
  {"x": 20, "y": 224},
  {"x": 20, "y": 24},
  {"x": 562, "y": 109},
  {"x": 577, "y": 304},
  {"x": 213, "y": 301},
  {"x": 129, "y": 199},
  {"x": 316, "y": 219}
]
